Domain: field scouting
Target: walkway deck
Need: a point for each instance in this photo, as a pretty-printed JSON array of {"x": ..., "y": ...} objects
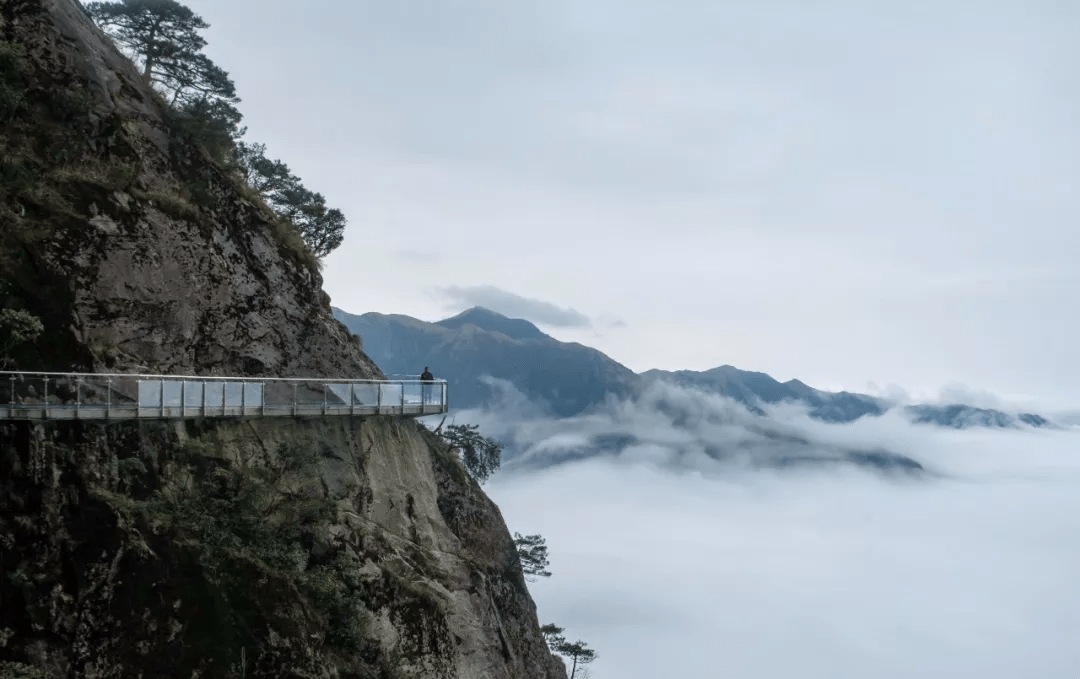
[{"x": 82, "y": 396}]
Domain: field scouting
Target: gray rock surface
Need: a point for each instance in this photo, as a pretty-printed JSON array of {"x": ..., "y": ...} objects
[{"x": 149, "y": 280}]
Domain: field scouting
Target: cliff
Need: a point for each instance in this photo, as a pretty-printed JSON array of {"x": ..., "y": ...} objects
[
  {"x": 137, "y": 252},
  {"x": 225, "y": 548}
]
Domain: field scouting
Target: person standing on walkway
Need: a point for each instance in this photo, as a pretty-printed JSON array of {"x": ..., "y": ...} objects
[{"x": 427, "y": 378}]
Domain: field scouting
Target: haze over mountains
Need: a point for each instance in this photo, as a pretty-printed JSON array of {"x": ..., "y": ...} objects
[{"x": 478, "y": 347}]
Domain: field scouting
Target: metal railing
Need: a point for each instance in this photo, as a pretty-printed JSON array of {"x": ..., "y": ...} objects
[{"x": 97, "y": 396}]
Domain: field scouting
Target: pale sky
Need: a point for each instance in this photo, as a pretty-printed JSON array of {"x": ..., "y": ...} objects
[{"x": 844, "y": 192}]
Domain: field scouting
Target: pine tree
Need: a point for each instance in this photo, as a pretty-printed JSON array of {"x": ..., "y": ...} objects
[
  {"x": 481, "y": 455},
  {"x": 532, "y": 551},
  {"x": 578, "y": 652},
  {"x": 321, "y": 227},
  {"x": 163, "y": 37},
  {"x": 553, "y": 636}
]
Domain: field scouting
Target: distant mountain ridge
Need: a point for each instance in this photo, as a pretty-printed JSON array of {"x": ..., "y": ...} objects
[
  {"x": 479, "y": 344},
  {"x": 750, "y": 388}
]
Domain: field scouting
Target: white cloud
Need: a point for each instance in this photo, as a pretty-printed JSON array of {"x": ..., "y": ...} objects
[
  {"x": 673, "y": 561},
  {"x": 685, "y": 429}
]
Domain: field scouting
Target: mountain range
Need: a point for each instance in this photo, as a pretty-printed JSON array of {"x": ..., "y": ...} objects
[{"x": 479, "y": 347}]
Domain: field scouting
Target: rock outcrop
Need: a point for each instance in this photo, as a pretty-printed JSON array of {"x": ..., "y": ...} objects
[
  {"x": 142, "y": 255},
  {"x": 224, "y": 548},
  {"x": 98, "y": 583}
]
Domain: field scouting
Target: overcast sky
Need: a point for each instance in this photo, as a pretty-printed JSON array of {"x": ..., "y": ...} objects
[{"x": 844, "y": 192}]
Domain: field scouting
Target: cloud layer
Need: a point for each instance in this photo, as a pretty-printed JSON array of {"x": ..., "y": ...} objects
[
  {"x": 678, "y": 428},
  {"x": 675, "y": 554}
]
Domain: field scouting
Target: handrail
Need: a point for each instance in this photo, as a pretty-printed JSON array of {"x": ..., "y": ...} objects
[
  {"x": 228, "y": 378},
  {"x": 109, "y": 396}
]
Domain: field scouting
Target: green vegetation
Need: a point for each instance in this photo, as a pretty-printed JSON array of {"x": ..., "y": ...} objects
[
  {"x": 13, "y": 68},
  {"x": 533, "y": 553},
  {"x": 162, "y": 38},
  {"x": 15, "y": 670},
  {"x": 481, "y": 455},
  {"x": 577, "y": 651},
  {"x": 17, "y": 327},
  {"x": 45, "y": 137},
  {"x": 269, "y": 518},
  {"x": 320, "y": 226}
]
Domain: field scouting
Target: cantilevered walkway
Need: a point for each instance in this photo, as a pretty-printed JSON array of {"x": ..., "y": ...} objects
[{"x": 75, "y": 396}]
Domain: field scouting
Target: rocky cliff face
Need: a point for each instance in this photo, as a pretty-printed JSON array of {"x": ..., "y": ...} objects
[
  {"x": 101, "y": 577},
  {"x": 138, "y": 252},
  {"x": 225, "y": 548}
]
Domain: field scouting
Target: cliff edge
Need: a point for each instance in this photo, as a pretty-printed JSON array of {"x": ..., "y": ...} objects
[{"x": 277, "y": 547}]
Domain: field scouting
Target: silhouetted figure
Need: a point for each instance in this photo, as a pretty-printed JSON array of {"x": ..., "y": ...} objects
[{"x": 427, "y": 378}]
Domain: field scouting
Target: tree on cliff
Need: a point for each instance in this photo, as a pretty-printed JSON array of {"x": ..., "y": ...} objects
[
  {"x": 321, "y": 227},
  {"x": 17, "y": 327},
  {"x": 163, "y": 36},
  {"x": 533, "y": 552},
  {"x": 481, "y": 455},
  {"x": 553, "y": 636},
  {"x": 578, "y": 652}
]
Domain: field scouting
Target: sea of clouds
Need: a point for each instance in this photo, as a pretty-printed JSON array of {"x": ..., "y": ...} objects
[{"x": 685, "y": 542}]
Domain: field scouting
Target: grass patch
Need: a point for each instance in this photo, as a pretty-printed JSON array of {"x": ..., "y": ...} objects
[
  {"x": 113, "y": 174},
  {"x": 17, "y": 670},
  {"x": 271, "y": 515},
  {"x": 293, "y": 245},
  {"x": 16, "y": 175},
  {"x": 171, "y": 201},
  {"x": 14, "y": 68}
]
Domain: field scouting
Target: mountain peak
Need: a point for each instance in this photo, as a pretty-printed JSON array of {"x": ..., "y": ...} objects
[{"x": 486, "y": 319}]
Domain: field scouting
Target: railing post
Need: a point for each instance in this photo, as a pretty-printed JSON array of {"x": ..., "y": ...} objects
[
  {"x": 183, "y": 399},
  {"x": 45, "y": 391},
  {"x": 78, "y": 397},
  {"x": 378, "y": 397},
  {"x": 243, "y": 399},
  {"x": 324, "y": 399},
  {"x": 204, "y": 384},
  {"x": 294, "y": 399},
  {"x": 352, "y": 399},
  {"x": 162, "y": 398},
  {"x": 402, "y": 397},
  {"x": 108, "y": 400},
  {"x": 12, "y": 394}
]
